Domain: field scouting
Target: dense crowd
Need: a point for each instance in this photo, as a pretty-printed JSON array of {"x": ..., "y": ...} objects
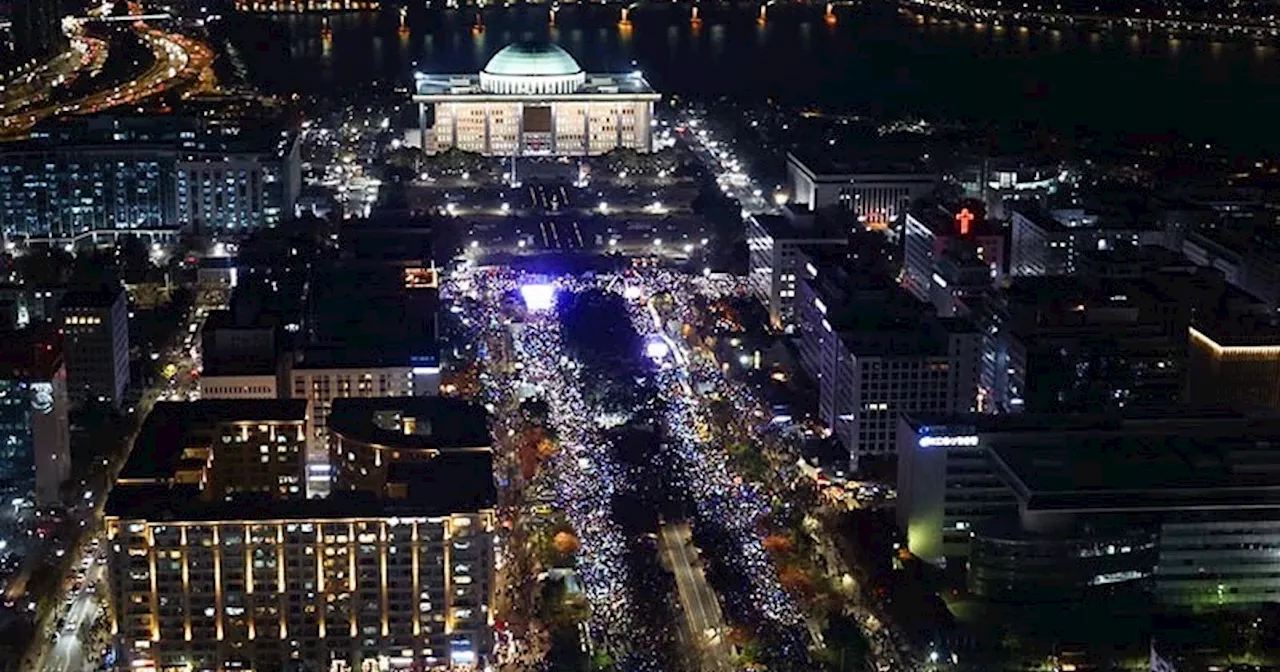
[{"x": 578, "y": 359}]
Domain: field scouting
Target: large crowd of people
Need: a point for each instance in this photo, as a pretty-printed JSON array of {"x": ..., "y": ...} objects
[{"x": 592, "y": 478}]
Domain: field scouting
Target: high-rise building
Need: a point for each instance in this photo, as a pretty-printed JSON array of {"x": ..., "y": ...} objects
[
  {"x": 1235, "y": 361},
  {"x": 1092, "y": 344},
  {"x": 1050, "y": 242},
  {"x": 37, "y": 29},
  {"x": 881, "y": 353},
  {"x": 1060, "y": 507},
  {"x": 97, "y": 178},
  {"x": 35, "y": 435},
  {"x": 534, "y": 99},
  {"x": 210, "y": 573},
  {"x": 876, "y": 192},
  {"x": 931, "y": 230},
  {"x": 774, "y": 246},
  {"x": 95, "y": 328}
]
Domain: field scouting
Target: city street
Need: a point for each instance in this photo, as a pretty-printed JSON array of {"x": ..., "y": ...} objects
[
  {"x": 74, "y": 648},
  {"x": 702, "y": 610},
  {"x": 57, "y": 646}
]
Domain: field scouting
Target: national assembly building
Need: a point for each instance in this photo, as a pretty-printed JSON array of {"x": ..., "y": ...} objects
[{"x": 533, "y": 99}]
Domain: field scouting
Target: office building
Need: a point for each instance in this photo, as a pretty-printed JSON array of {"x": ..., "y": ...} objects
[
  {"x": 888, "y": 354},
  {"x": 1050, "y": 242},
  {"x": 1243, "y": 251},
  {"x": 23, "y": 304},
  {"x": 1092, "y": 344},
  {"x": 205, "y": 578},
  {"x": 35, "y": 434},
  {"x": 834, "y": 276},
  {"x": 945, "y": 483},
  {"x": 1005, "y": 183},
  {"x": 325, "y": 375},
  {"x": 534, "y": 99},
  {"x": 1052, "y": 508},
  {"x": 95, "y": 328},
  {"x": 1204, "y": 486},
  {"x": 241, "y": 356},
  {"x": 371, "y": 435},
  {"x": 931, "y": 229},
  {"x": 36, "y": 26},
  {"x": 93, "y": 179},
  {"x": 774, "y": 244},
  {"x": 876, "y": 192},
  {"x": 1235, "y": 360},
  {"x": 371, "y": 333}
]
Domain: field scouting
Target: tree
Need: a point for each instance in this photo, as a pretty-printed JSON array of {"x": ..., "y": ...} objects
[
  {"x": 779, "y": 544},
  {"x": 846, "y": 644},
  {"x": 794, "y": 580},
  {"x": 566, "y": 543},
  {"x": 454, "y": 161}
]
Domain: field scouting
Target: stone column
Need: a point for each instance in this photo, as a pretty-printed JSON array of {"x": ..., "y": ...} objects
[
  {"x": 617, "y": 124},
  {"x": 422, "y": 124},
  {"x": 554, "y": 147},
  {"x": 586, "y": 128},
  {"x": 519, "y": 129},
  {"x": 648, "y": 128},
  {"x": 453, "y": 121},
  {"x": 488, "y": 133}
]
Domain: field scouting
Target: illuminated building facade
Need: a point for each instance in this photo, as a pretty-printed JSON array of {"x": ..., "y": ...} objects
[
  {"x": 775, "y": 245},
  {"x": 534, "y": 99},
  {"x": 1051, "y": 242},
  {"x": 930, "y": 231},
  {"x": 203, "y": 578},
  {"x": 877, "y": 193},
  {"x": 94, "y": 179},
  {"x": 35, "y": 433},
  {"x": 1235, "y": 362},
  {"x": 300, "y": 6},
  {"x": 1048, "y": 508}
]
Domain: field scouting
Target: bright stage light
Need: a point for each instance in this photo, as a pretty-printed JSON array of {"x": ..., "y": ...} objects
[
  {"x": 538, "y": 298},
  {"x": 657, "y": 350}
]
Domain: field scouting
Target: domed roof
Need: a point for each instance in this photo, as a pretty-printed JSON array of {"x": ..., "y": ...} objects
[{"x": 532, "y": 59}]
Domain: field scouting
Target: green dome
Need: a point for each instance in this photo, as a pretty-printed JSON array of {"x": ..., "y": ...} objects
[{"x": 532, "y": 59}]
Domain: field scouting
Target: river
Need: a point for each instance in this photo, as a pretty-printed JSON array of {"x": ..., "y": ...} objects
[{"x": 873, "y": 60}]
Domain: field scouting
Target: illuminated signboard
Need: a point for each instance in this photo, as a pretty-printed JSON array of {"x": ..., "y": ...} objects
[
  {"x": 42, "y": 397},
  {"x": 421, "y": 278},
  {"x": 948, "y": 441},
  {"x": 965, "y": 219}
]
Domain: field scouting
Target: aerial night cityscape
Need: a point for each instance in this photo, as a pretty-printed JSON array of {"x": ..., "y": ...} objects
[{"x": 639, "y": 336}]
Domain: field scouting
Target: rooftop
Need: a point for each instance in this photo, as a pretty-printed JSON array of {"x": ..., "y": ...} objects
[
  {"x": 461, "y": 486},
  {"x": 1171, "y": 466},
  {"x": 102, "y": 296},
  {"x": 158, "y": 449},
  {"x": 532, "y": 70},
  {"x": 900, "y": 162},
  {"x": 35, "y": 351},
  {"x": 532, "y": 59},
  {"x": 188, "y": 134},
  {"x": 1248, "y": 330},
  {"x": 943, "y": 219},
  {"x": 415, "y": 423}
]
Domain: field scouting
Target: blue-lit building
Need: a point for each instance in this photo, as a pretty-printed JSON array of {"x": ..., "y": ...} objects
[
  {"x": 35, "y": 436},
  {"x": 98, "y": 178}
]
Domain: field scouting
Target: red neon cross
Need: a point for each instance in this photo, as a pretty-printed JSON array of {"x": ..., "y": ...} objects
[{"x": 965, "y": 218}]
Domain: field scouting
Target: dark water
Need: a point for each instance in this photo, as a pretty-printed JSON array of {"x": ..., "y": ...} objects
[{"x": 873, "y": 61}]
